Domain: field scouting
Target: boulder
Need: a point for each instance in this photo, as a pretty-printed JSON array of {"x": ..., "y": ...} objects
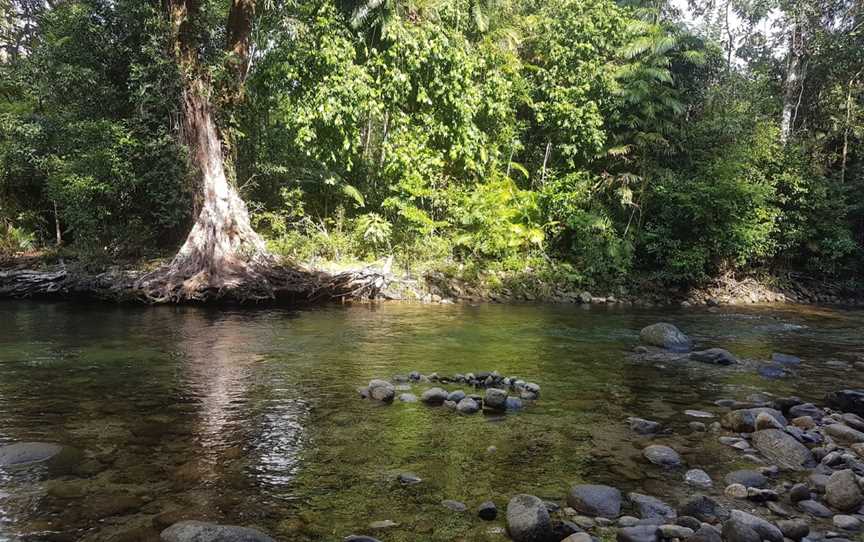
[
  {"x": 847, "y": 523},
  {"x": 794, "y": 529},
  {"x": 703, "y": 508},
  {"x": 843, "y": 434},
  {"x": 744, "y": 420},
  {"x": 638, "y": 533},
  {"x": 783, "y": 450},
  {"x": 528, "y": 519},
  {"x": 765, "y": 529},
  {"x": 698, "y": 478},
  {"x": 495, "y": 399},
  {"x": 25, "y": 453},
  {"x": 663, "y": 456},
  {"x": 847, "y": 401},
  {"x": 806, "y": 409},
  {"x": 199, "y": 531},
  {"x": 665, "y": 336},
  {"x": 381, "y": 390},
  {"x": 650, "y": 507},
  {"x": 843, "y": 492},
  {"x": 434, "y": 396},
  {"x": 467, "y": 406},
  {"x": 456, "y": 396},
  {"x": 595, "y": 500},
  {"x": 714, "y": 356},
  {"x": 747, "y": 478}
]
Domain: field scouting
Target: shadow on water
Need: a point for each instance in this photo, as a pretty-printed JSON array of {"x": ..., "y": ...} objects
[{"x": 251, "y": 416}]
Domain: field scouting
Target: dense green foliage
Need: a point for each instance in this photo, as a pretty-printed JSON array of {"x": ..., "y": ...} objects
[{"x": 601, "y": 139}]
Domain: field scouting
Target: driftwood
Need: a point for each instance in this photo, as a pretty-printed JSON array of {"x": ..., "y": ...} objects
[{"x": 287, "y": 285}]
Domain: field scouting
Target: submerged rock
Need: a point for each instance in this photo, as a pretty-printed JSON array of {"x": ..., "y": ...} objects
[
  {"x": 26, "y": 453},
  {"x": 643, "y": 427},
  {"x": 528, "y": 519},
  {"x": 199, "y": 531},
  {"x": 783, "y": 450},
  {"x": 595, "y": 500},
  {"x": 714, "y": 356},
  {"x": 666, "y": 336}
]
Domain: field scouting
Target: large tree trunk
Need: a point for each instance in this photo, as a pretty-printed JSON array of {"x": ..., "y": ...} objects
[{"x": 793, "y": 85}]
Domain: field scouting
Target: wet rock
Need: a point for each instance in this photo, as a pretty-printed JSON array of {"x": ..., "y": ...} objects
[
  {"x": 747, "y": 478},
  {"x": 666, "y": 336},
  {"x": 705, "y": 533},
  {"x": 381, "y": 390},
  {"x": 104, "y": 506},
  {"x": 595, "y": 500},
  {"x": 843, "y": 492},
  {"x": 806, "y": 409},
  {"x": 25, "y": 453},
  {"x": 744, "y": 420},
  {"x": 487, "y": 511},
  {"x": 698, "y": 478},
  {"x": 843, "y": 433},
  {"x": 736, "y": 491},
  {"x": 814, "y": 508},
  {"x": 847, "y": 523},
  {"x": 643, "y": 427},
  {"x": 669, "y": 532},
  {"x": 853, "y": 420},
  {"x": 799, "y": 492},
  {"x": 785, "y": 359},
  {"x": 456, "y": 396},
  {"x": 408, "y": 479},
  {"x": 783, "y": 450},
  {"x": 736, "y": 531},
  {"x": 761, "y": 495},
  {"x": 703, "y": 508},
  {"x": 495, "y": 399},
  {"x": 199, "y": 531},
  {"x": 663, "y": 456},
  {"x": 528, "y": 520},
  {"x": 468, "y": 406},
  {"x": 698, "y": 414},
  {"x": 650, "y": 507},
  {"x": 455, "y": 506},
  {"x": 637, "y": 533},
  {"x": 408, "y": 398},
  {"x": 765, "y": 529},
  {"x": 847, "y": 401},
  {"x": 434, "y": 396},
  {"x": 794, "y": 529},
  {"x": 715, "y": 356}
]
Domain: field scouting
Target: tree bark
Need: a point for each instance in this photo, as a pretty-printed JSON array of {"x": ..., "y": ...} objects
[{"x": 794, "y": 78}]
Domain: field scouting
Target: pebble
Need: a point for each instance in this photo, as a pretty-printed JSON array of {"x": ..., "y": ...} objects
[{"x": 408, "y": 479}]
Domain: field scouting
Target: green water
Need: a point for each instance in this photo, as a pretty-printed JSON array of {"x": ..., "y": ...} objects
[{"x": 252, "y": 417}]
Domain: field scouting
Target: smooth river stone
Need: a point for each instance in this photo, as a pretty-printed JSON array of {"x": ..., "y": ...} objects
[
  {"x": 199, "y": 531},
  {"x": 528, "y": 519},
  {"x": 26, "y": 453},
  {"x": 783, "y": 450}
]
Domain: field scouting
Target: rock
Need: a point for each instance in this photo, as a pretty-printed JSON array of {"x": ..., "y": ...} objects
[
  {"x": 578, "y": 537},
  {"x": 669, "y": 532},
  {"x": 783, "y": 450},
  {"x": 804, "y": 422},
  {"x": 794, "y": 529},
  {"x": 715, "y": 356},
  {"x": 468, "y": 406},
  {"x": 703, "y": 508},
  {"x": 383, "y": 525},
  {"x": 199, "y": 531},
  {"x": 359, "y": 538},
  {"x": 853, "y": 420},
  {"x": 747, "y": 478},
  {"x": 799, "y": 492},
  {"x": 408, "y": 479},
  {"x": 736, "y": 491},
  {"x": 765, "y": 529},
  {"x": 408, "y": 398},
  {"x": 585, "y": 298},
  {"x": 663, "y": 456},
  {"x": 858, "y": 449},
  {"x": 806, "y": 409},
  {"x": 744, "y": 420},
  {"x": 785, "y": 359},
  {"x": 455, "y": 506},
  {"x": 456, "y": 396},
  {"x": 698, "y": 478},
  {"x": 736, "y": 531},
  {"x": 532, "y": 389},
  {"x": 847, "y": 401},
  {"x": 767, "y": 421},
  {"x": 381, "y": 390},
  {"x": 25, "y": 453},
  {"x": 843, "y": 433},
  {"x": 697, "y": 427},
  {"x": 843, "y": 492},
  {"x": 814, "y": 508},
  {"x": 450, "y": 405},
  {"x": 487, "y": 511},
  {"x": 665, "y": 336},
  {"x": 698, "y": 414},
  {"x": 495, "y": 399},
  {"x": 705, "y": 533},
  {"x": 434, "y": 396},
  {"x": 513, "y": 404},
  {"x": 595, "y": 500},
  {"x": 774, "y": 370},
  {"x": 643, "y": 427},
  {"x": 650, "y": 507},
  {"x": 847, "y": 523},
  {"x": 528, "y": 519},
  {"x": 637, "y": 533},
  {"x": 627, "y": 521}
]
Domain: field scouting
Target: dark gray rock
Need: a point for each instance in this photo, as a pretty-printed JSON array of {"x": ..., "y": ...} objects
[
  {"x": 847, "y": 401},
  {"x": 359, "y": 538},
  {"x": 794, "y": 529},
  {"x": 487, "y": 511},
  {"x": 671, "y": 532},
  {"x": 663, "y": 456},
  {"x": 806, "y": 409},
  {"x": 408, "y": 479},
  {"x": 783, "y": 450},
  {"x": 666, "y": 336},
  {"x": 785, "y": 359},
  {"x": 25, "y": 453},
  {"x": 638, "y": 533},
  {"x": 455, "y": 506},
  {"x": 199, "y": 531},
  {"x": 736, "y": 531},
  {"x": 456, "y": 396},
  {"x": 744, "y": 420},
  {"x": 705, "y": 533},
  {"x": 528, "y": 519},
  {"x": 843, "y": 433},
  {"x": 434, "y": 396},
  {"x": 643, "y": 427},
  {"x": 814, "y": 508},
  {"x": 513, "y": 404},
  {"x": 747, "y": 478},
  {"x": 714, "y": 356},
  {"x": 847, "y": 523},
  {"x": 765, "y": 529},
  {"x": 843, "y": 492},
  {"x": 703, "y": 508},
  {"x": 651, "y": 507},
  {"x": 408, "y": 398},
  {"x": 799, "y": 492},
  {"x": 595, "y": 500},
  {"x": 495, "y": 399}
]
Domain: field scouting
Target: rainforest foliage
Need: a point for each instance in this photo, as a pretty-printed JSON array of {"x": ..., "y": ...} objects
[{"x": 602, "y": 139}]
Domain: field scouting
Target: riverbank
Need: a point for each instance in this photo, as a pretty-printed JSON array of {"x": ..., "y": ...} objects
[{"x": 52, "y": 278}]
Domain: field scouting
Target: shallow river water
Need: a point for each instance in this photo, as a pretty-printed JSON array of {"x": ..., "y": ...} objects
[{"x": 251, "y": 417}]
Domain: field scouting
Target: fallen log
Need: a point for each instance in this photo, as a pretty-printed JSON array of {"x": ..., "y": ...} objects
[{"x": 287, "y": 285}]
